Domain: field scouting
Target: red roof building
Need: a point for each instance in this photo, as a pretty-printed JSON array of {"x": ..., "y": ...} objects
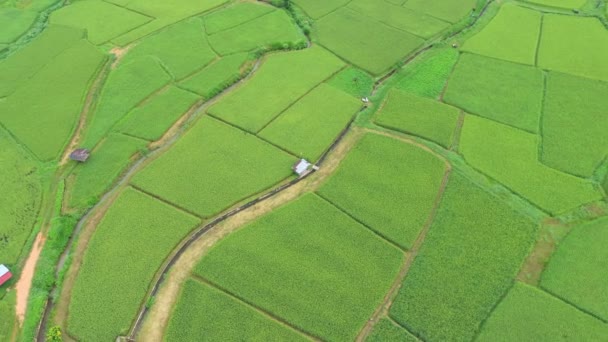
[{"x": 5, "y": 275}]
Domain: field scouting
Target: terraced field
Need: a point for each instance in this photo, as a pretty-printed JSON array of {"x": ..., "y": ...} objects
[{"x": 286, "y": 170}]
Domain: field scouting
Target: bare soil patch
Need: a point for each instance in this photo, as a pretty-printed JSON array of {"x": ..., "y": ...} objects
[{"x": 24, "y": 284}]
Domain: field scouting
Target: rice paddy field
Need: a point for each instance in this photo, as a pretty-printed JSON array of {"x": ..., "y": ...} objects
[{"x": 304, "y": 170}]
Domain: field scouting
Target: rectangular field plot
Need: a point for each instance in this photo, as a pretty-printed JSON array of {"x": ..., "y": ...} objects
[
  {"x": 582, "y": 253},
  {"x": 574, "y": 45},
  {"x": 204, "y": 313},
  {"x": 129, "y": 246},
  {"x": 448, "y": 10},
  {"x": 510, "y": 156},
  {"x": 385, "y": 330},
  {"x": 502, "y": 91},
  {"x": 216, "y": 77},
  {"x": 318, "y": 8},
  {"x": 235, "y": 15},
  {"x": 213, "y": 166},
  {"x": 428, "y": 75},
  {"x": 367, "y": 43},
  {"x": 512, "y": 35},
  {"x": 309, "y": 127},
  {"x": 15, "y": 23},
  {"x": 389, "y": 185},
  {"x": 42, "y": 116},
  {"x": 281, "y": 80},
  {"x": 528, "y": 314},
  {"x": 419, "y": 116},
  {"x": 309, "y": 264},
  {"x": 468, "y": 261},
  {"x": 575, "y": 124}
]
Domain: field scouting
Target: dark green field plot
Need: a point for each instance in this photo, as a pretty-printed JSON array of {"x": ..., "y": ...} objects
[
  {"x": 280, "y": 81},
  {"x": 389, "y": 185},
  {"x": 468, "y": 261},
  {"x": 528, "y": 314},
  {"x": 275, "y": 28},
  {"x": 569, "y": 4},
  {"x": 43, "y": 117},
  {"x": 448, "y": 10},
  {"x": 575, "y": 124},
  {"x": 15, "y": 23},
  {"x": 419, "y": 116},
  {"x": 427, "y": 76},
  {"x": 318, "y": 8},
  {"x": 512, "y": 35},
  {"x": 577, "y": 270},
  {"x": 20, "y": 200},
  {"x": 204, "y": 313},
  {"x": 217, "y": 76},
  {"x": 214, "y": 166},
  {"x": 129, "y": 246},
  {"x": 353, "y": 81},
  {"x": 510, "y": 156},
  {"x": 385, "y": 330},
  {"x": 309, "y": 264},
  {"x": 502, "y": 91},
  {"x": 574, "y": 45},
  {"x": 365, "y": 42},
  {"x": 310, "y": 126},
  {"x": 235, "y": 15},
  {"x": 153, "y": 118}
]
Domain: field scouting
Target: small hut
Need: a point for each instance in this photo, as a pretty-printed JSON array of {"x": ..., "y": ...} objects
[
  {"x": 302, "y": 167},
  {"x": 5, "y": 275},
  {"x": 80, "y": 155}
]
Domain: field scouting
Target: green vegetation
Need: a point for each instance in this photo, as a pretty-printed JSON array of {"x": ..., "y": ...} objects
[
  {"x": 528, "y": 314},
  {"x": 353, "y": 81},
  {"x": 91, "y": 179},
  {"x": 251, "y": 107},
  {"x": 14, "y": 23},
  {"x": 389, "y": 185},
  {"x": 369, "y": 44},
  {"x": 309, "y": 264},
  {"x": 217, "y": 321},
  {"x": 574, "y": 124},
  {"x": 467, "y": 263},
  {"x": 230, "y": 165},
  {"x": 428, "y": 76},
  {"x": 309, "y": 127},
  {"x": 419, "y": 116},
  {"x": 319, "y": 8},
  {"x": 129, "y": 246},
  {"x": 448, "y": 10},
  {"x": 216, "y": 77},
  {"x": 576, "y": 271},
  {"x": 153, "y": 118},
  {"x": 574, "y": 45},
  {"x": 385, "y": 330},
  {"x": 235, "y": 15},
  {"x": 512, "y": 35}
]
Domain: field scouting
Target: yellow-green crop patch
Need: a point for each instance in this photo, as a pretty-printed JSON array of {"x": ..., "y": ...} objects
[
  {"x": 216, "y": 77},
  {"x": 506, "y": 92},
  {"x": 510, "y": 156},
  {"x": 235, "y": 15},
  {"x": 281, "y": 80},
  {"x": 309, "y": 264},
  {"x": 467, "y": 262},
  {"x": 308, "y": 127},
  {"x": 319, "y": 8},
  {"x": 448, "y": 10},
  {"x": 213, "y": 166},
  {"x": 512, "y": 35},
  {"x": 528, "y": 314},
  {"x": 389, "y": 185},
  {"x": 419, "y": 116}
]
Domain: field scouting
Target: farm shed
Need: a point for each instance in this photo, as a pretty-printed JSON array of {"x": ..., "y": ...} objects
[
  {"x": 5, "y": 275},
  {"x": 80, "y": 155},
  {"x": 301, "y": 167}
]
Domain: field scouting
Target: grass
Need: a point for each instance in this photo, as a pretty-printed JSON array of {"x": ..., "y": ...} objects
[
  {"x": 319, "y": 8},
  {"x": 574, "y": 124},
  {"x": 7, "y": 312},
  {"x": 47, "y": 115},
  {"x": 271, "y": 91},
  {"x": 449, "y": 10},
  {"x": 90, "y": 180},
  {"x": 385, "y": 330},
  {"x": 152, "y": 119},
  {"x": 428, "y": 76},
  {"x": 528, "y": 314},
  {"x": 468, "y": 261},
  {"x": 15, "y": 23},
  {"x": 389, "y": 185},
  {"x": 353, "y": 81},
  {"x": 309, "y": 264},
  {"x": 217, "y": 321},
  {"x": 125, "y": 88},
  {"x": 234, "y": 15},
  {"x": 364, "y": 42},
  {"x": 168, "y": 47},
  {"x": 309, "y": 127},
  {"x": 272, "y": 29},
  {"x": 505, "y": 92},
  {"x": 216, "y": 77},
  {"x": 129, "y": 246},
  {"x": 419, "y": 116},
  {"x": 512, "y": 35},
  {"x": 103, "y": 21},
  {"x": 576, "y": 270},
  {"x": 230, "y": 165},
  {"x": 510, "y": 156},
  {"x": 574, "y": 45}
]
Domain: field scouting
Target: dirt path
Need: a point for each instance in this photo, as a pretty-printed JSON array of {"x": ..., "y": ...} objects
[{"x": 27, "y": 275}]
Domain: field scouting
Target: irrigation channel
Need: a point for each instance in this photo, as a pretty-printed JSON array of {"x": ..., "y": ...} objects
[{"x": 200, "y": 232}]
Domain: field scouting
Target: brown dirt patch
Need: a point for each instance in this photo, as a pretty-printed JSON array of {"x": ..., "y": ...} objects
[
  {"x": 24, "y": 284},
  {"x": 119, "y": 53}
]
